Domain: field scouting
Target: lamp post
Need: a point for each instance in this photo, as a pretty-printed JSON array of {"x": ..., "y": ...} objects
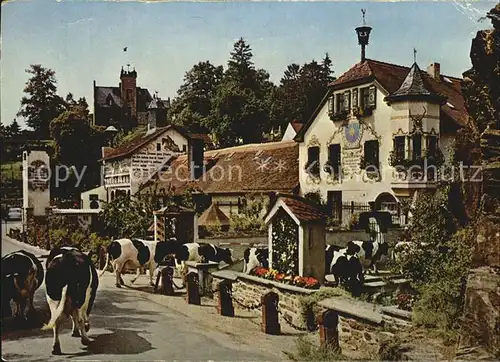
[{"x": 363, "y": 32}]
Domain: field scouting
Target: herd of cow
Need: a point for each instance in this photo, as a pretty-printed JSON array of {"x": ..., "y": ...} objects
[{"x": 71, "y": 279}]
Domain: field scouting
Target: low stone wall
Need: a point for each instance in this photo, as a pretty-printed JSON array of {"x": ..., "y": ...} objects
[
  {"x": 248, "y": 290},
  {"x": 361, "y": 326}
]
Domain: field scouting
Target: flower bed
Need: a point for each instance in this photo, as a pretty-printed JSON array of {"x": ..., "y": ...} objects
[{"x": 271, "y": 274}]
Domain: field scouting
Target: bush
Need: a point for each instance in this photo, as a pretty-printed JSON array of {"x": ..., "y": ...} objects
[
  {"x": 390, "y": 350},
  {"x": 250, "y": 218},
  {"x": 307, "y": 350}
]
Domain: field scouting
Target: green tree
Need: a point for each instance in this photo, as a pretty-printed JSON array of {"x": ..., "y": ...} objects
[
  {"x": 41, "y": 103},
  {"x": 240, "y": 109},
  {"x": 76, "y": 143},
  {"x": 191, "y": 107},
  {"x": 13, "y": 129},
  {"x": 300, "y": 91}
]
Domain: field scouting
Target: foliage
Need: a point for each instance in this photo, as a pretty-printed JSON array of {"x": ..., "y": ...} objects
[
  {"x": 77, "y": 145},
  {"x": 390, "y": 349},
  {"x": 438, "y": 266},
  {"x": 271, "y": 274},
  {"x": 405, "y": 301},
  {"x": 300, "y": 91},
  {"x": 191, "y": 107},
  {"x": 41, "y": 103},
  {"x": 128, "y": 216},
  {"x": 285, "y": 243},
  {"x": 123, "y": 137},
  {"x": 250, "y": 217},
  {"x": 307, "y": 350}
]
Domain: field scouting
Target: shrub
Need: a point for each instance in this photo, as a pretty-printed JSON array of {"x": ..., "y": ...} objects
[
  {"x": 250, "y": 218},
  {"x": 390, "y": 349},
  {"x": 306, "y": 350}
]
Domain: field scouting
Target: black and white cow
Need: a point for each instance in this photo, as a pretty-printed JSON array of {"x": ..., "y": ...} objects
[
  {"x": 346, "y": 268},
  {"x": 201, "y": 252},
  {"x": 22, "y": 275},
  {"x": 134, "y": 254},
  {"x": 369, "y": 252},
  {"x": 71, "y": 283},
  {"x": 254, "y": 257}
]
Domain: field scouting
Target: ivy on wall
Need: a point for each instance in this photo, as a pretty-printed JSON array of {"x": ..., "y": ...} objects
[{"x": 285, "y": 242}]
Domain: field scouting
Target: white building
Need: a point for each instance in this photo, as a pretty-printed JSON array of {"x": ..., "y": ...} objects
[
  {"x": 380, "y": 115},
  {"x": 291, "y": 130}
]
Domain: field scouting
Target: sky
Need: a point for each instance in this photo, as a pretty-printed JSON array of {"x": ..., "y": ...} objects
[{"x": 83, "y": 41}]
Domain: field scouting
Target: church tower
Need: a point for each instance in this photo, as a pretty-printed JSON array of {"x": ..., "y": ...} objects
[{"x": 128, "y": 92}]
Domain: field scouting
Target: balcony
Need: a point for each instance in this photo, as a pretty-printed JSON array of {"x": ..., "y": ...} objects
[{"x": 417, "y": 172}]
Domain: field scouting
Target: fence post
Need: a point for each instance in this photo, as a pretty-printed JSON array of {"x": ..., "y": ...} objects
[
  {"x": 167, "y": 275},
  {"x": 270, "y": 318},
  {"x": 193, "y": 288},
  {"x": 328, "y": 332},
  {"x": 225, "y": 303}
]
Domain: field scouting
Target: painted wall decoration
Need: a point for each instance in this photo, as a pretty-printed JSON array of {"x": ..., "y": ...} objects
[
  {"x": 38, "y": 175},
  {"x": 285, "y": 244},
  {"x": 353, "y": 132}
]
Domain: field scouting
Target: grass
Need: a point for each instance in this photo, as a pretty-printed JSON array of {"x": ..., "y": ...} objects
[
  {"x": 12, "y": 171},
  {"x": 307, "y": 350}
]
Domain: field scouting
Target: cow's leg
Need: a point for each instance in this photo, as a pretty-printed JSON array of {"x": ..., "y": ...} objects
[
  {"x": 56, "y": 345},
  {"x": 82, "y": 319},
  {"x": 74, "y": 320},
  {"x": 117, "y": 266},
  {"x": 137, "y": 273},
  {"x": 152, "y": 268},
  {"x": 22, "y": 304},
  {"x": 31, "y": 298}
]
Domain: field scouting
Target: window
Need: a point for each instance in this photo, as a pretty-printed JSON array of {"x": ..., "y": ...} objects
[
  {"x": 184, "y": 148},
  {"x": 432, "y": 146},
  {"x": 347, "y": 100},
  {"x": 364, "y": 97},
  {"x": 417, "y": 146},
  {"x": 334, "y": 160},
  {"x": 399, "y": 147},
  {"x": 312, "y": 165},
  {"x": 158, "y": 146},
  {"x": 372, "y": 96},
  {"x": 355, "y": 98},
  {"x": 339, "y": 102},
  {"x": 334, "y": 204},
  {"x": 371, "y": 154}
]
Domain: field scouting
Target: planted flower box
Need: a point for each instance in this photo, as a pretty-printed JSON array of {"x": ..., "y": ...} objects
[{"x": 298, "y": 281}]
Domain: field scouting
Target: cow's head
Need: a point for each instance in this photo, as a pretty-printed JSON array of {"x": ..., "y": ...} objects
[
  {"x": 353, "y": 248},
  {"x": 263, "y": 257},
  {"x": 225, "y": 255}
]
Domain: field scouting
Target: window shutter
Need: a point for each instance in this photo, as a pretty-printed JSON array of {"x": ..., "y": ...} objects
[
  {"x": 372, "y": 95},
  {"x": 355, "y": 97},
  {"x": 331, "y": 104},
  {"x": 347, "y": 100}
]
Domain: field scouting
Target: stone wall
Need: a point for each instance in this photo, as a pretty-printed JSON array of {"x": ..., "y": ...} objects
[
  {"x": 360, "y": 337},
  {"x": 249, "y": 292}
]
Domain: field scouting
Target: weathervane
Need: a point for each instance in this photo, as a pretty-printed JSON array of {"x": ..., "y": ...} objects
[
  {"x": 128, "y": 67},
  {"x": 414, "y": 55},
  {"x": 364, "y": 12}
]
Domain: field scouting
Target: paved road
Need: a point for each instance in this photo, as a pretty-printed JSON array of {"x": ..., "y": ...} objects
[{"x": 125, "y": 326}]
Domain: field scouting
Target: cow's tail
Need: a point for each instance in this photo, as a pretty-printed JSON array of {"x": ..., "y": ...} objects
[
  {"x": 105, "y": 265},
  {"x": 58, "y": 312}
]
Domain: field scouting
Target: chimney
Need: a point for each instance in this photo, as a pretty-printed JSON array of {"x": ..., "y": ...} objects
[
  {"x": 434, "y": 71},
  {"x": 195, "y": 157}
]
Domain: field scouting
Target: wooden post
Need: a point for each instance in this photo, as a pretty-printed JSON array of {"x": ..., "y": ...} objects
[
  {"x": 270, "y": 318},
  {"x": 193, "y": 291},
  {"x": 328, "y": 332},
  {"x": 225, "y": 304},
  {"x": 167, "y": 276}
]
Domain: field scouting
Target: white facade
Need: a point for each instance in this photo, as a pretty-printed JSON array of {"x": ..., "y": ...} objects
[
  {"x": 94, "y": 198},
  {"x": 384, "y": 124},
  {"x": 126, "y": 175},
  {"x": 289, "y": 133}
]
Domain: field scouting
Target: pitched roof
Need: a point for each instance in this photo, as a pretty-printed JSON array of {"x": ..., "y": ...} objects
[
  {"x": 265, "y": 167},
  {"x": 138, "y": 141},
  {"x": 303, "y": 209},
  {"x": 413, "y": 87},
  {"x": 103, "y": 94},
  {"x": 213, "y": 216},
  {"x": 390, "y": 77}
]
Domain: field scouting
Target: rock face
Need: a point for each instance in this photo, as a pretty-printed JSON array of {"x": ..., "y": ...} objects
[
  {"x": 487, "y": 250},
  {"x": 480, "y": 337}
]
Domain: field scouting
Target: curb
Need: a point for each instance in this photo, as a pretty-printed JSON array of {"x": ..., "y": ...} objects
[{"x": 39, "y": 252}]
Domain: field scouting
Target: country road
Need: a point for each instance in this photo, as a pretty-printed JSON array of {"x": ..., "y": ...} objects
[{"x": 127, "y": 325}]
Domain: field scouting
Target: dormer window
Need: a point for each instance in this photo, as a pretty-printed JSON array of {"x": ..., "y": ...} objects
[
  {"x": 340, "y": 102},
  {"x": 331, "y": 105},
  {"x": 347, "y": 100}
]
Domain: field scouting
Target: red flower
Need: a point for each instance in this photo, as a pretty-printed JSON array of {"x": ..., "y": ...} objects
[{"x": 279, "y": 277}]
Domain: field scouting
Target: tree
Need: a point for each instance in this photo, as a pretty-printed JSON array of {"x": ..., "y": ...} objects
[
  {"x": 240, "y": 109},
  {"x": 13, "y": 129},
  {"x": 300, "y": 91},
  {"x": 78, "y": 144},
  {"x": 191, "y": 107},
  {"x": 42, "y": 104}
]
